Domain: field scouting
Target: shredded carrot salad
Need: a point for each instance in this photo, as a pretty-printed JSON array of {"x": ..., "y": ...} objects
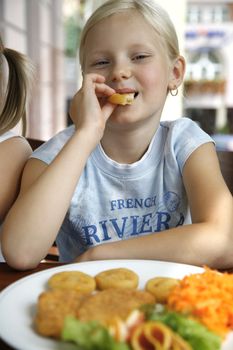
[{"x": 207, "y": 296}]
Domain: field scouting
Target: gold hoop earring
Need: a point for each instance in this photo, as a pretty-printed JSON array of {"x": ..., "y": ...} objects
[{"x": 174, "y": 92}]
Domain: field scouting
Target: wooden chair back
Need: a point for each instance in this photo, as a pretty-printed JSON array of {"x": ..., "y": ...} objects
[
  {"x": 226, "y": 165},
  {"x": 34, "y": 143}
]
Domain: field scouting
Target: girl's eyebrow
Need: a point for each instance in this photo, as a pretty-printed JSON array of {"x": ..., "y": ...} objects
[
  {"x": 144, "y": 46},
  {"x": 96, "y": 53},
  {"x": 141, "y": 46}
]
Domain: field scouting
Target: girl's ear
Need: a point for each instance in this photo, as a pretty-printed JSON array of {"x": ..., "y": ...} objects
[{"x": 177, "y": 73}]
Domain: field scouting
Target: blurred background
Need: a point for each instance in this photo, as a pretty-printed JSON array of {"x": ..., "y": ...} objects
[{"x": 48, "y": 31}]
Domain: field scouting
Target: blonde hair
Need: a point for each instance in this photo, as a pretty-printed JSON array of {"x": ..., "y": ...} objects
[
  {"x": 155, "y": 15},
  {"x": 20, "y": 73}
]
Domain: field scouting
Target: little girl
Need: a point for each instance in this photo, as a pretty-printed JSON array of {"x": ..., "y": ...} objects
[
  {"x": 120, "y": 183},
  {"x": 14, "y": 150}
]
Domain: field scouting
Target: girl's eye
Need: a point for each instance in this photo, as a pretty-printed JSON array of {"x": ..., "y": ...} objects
[
  {"x": 100, "y": 63},
  {"x": 139, "y": 57}
]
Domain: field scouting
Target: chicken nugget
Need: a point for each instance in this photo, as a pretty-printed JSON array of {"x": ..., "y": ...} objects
[
  {"x": 106, "y": 305},
  {"x": 75, "y": 280},
  {"x": 116, "y": 278},
  {"x": 160, "y": 287},
  {"x": 52, "y": 308}
]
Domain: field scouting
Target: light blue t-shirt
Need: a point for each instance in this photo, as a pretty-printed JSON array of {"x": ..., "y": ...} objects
[{"x": 115, "y": 201}]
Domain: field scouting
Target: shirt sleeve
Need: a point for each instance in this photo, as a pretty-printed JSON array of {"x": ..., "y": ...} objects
[{"x": 186, "y": 136}]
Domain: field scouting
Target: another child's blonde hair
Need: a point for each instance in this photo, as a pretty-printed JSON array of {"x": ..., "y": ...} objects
[
  {"x": 13, "y": 101},
  {"x": 155, "y": 15}
]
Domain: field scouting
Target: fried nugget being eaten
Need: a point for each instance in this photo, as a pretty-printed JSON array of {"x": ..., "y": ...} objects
[
  {"x": 106, "y": 305},
  {"x": 121, "y": 99},
  {"x": 52, "y": 308}
]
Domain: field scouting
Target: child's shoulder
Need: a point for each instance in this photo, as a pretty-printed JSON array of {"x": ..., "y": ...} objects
[
  {"x": 181, "y": 123},
  {"x": 14, "y": 143},
  {"x": 8, "y": 135},
  {"x": 184, "y": 128},
  {"x": 183, "y": 137}
]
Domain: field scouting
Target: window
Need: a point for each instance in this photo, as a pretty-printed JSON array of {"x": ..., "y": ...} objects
[
  {"x": 204, "y": 66},
  {"x": 208, "y": 13}
]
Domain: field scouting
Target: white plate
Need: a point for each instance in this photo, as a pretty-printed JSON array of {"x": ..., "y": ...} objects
[{"x": 18, "y": 301}]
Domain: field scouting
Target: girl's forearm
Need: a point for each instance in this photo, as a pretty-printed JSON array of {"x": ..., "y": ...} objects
[
  {"x": 196, "y": 244},
  {"x": 34, "y": 221}
]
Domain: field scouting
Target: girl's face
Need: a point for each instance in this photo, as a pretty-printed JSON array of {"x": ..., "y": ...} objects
[{"x": 126, "y": 50}]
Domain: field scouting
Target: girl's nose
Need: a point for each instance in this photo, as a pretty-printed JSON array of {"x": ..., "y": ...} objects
[{"x": 121, "y": 71}]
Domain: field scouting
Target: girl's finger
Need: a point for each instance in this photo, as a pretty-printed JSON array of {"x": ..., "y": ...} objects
[
  {"x": 107, "y": 110},
  {"x": 97, "y": 81},
  {"x": 103, "y": 90},
  {"x": 93, "y": 78}
]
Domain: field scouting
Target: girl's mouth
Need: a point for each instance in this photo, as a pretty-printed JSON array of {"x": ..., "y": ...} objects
[{"x": 123, "y": 98}]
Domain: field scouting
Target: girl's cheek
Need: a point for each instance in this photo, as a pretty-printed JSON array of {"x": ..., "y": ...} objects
[
  {"x": 152, "y": 78},
  {"x": 149, "y": 81}
]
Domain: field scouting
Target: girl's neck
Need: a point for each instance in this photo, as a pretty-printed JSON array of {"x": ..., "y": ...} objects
[{"x": 127, "y": 146}]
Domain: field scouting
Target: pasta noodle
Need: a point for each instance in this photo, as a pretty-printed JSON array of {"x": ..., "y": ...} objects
[{"x": 157, "y": 336}]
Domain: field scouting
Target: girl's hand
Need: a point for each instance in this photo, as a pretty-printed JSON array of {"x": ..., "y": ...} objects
[{"x": 86, "y": 111}]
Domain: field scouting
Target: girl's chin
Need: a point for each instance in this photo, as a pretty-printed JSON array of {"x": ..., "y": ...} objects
[
  {"x": 121, "y": 118},
  {"x": 123, "y": 121}
]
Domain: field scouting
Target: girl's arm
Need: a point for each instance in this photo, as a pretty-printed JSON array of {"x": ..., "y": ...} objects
[
  {"x": 14, "y": 153},
  {"x": 34, "y": 220},
  {"x": 207, "y": 241}
]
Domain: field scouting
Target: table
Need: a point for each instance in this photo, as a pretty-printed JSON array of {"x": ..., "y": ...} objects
[{"x": 8, "y": 276}]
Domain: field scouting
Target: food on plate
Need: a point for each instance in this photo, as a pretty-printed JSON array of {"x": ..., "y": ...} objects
[
  {"x": 121, "y": 99},
  {"x": 193, "y": 313},
  {"x": 116, "y": 278},
  {"x": 192, "y": 331},
  {"x": 90, "y": 336},
  {"x": 144, "y": 334},
  {"x": 155, "y": 335},
  {"x": 75, "y": 280},
  {"x": 208, "y": 297},
  {"x": 52, "y": 308},
  {"x": 104, "y": 306},
  {"x": 160, "y": 287},
  {"x": 179, "y": 343}
]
